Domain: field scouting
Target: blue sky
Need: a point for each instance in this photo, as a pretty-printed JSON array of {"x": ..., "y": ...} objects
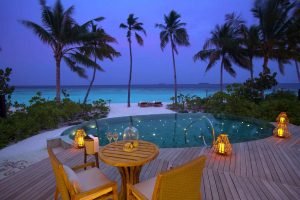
[{"x": 33, "y": 62}]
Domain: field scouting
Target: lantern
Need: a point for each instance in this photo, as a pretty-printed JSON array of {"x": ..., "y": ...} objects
[
  {"x": 79, "y": 138},
  {"x": 222, "y": 145},
  {"x": 282, "y": 126},
  {"x": 91, "y": 144},
  {"x": 282, "y": 118}
]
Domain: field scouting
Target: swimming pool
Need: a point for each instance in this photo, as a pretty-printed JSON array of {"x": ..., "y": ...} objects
[{"x": 179, "y": 130}]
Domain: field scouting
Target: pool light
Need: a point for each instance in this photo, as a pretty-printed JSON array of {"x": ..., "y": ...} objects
[
  {"x": 282, "y": 126},
  {"x": 222, "y": 145},
  {"x": 79, "y": 138}
]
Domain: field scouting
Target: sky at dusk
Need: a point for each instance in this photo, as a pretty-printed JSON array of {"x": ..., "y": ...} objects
[{"x": 33, "y": 62}]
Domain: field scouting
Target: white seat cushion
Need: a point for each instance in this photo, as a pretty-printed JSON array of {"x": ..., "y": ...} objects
[
  {"x": 72, "y": 178},
  {"x": 146, "y": 187},
  {"x": 91, "y": 178}
]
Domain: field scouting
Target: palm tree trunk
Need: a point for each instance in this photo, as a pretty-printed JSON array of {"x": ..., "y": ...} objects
[
  {"x": 251, "y": 69},
  {"x": 298, "y": 71},
  {"x": 174, "y": 69},
  {"x": 58, "y": 59},
  {"x": 2, "y": 106},
  {"x": 130, "y": 74},
  {"x": 221, "y": 75},
  {"x": 91, "y": 83},
  {"x": 266, "y": 69}
]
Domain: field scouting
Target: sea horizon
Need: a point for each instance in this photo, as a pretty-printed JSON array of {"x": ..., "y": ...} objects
[{"x": 118, "y": 93}]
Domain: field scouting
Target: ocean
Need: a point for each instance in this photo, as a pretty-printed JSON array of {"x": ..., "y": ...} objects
[{"x": 118, "y": 93}]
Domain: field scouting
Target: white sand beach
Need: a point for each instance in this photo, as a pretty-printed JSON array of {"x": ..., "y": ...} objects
[{"x": 34, "y": 149}]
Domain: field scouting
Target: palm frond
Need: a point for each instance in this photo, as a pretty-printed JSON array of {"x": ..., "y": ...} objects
[
  {"x": 161, "y": 26},
  {"x": 40, "y": 32},
  {"x": 75, "y": 68},
  {"x": 84, "y": 60},
  {"x": 181, "y": 37},
  {"x": 213, "y": 57},
  {"x": 123, "y": 26},
  {"x": 139, "y": 39},
  {"x": 228, "y": 67},
  {"x": 164, "y": 39}
]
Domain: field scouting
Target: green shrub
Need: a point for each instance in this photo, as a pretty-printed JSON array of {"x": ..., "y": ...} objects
[{"x": 44, "y": 114}]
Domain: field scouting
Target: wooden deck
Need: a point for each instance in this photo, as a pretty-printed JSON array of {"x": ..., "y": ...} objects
[{"x": 263, "y": 169}]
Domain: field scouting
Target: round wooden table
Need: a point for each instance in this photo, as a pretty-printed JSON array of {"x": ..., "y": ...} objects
[{"x": 129, "y": 164}]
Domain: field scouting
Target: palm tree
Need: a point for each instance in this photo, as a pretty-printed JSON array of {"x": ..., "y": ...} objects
[
  {"x": 98, "y": 48},
  {"x": 132, "y": 25},
  {"x": 173, "y": 31},
  {"x": 293, "y": 40},
  {"x": 252, "y": 43},
  {"x": 61, "y": 32},
  {"x": 225, "y": 45},
  {"x": 274, "y": 18}
]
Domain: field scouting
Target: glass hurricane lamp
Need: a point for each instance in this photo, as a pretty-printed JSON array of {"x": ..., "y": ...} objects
[
  {"x": 282, "y": 130},
  {"x": 131, "y": 133},
  {"x": 79, "y": 138},
  {"x": 282, "y": 118},
  {"x": 222, "y": 145}
]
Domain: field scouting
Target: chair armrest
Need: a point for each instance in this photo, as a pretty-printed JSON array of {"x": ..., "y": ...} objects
[
  {"x": 98, "y": 191},
  {"x": 88, "y": 164},
  {"x": 137, "y": 194}
]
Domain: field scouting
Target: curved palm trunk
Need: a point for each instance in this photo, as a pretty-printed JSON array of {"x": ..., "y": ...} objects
[
  {"x": 130, "y": 74},
  {"x": 251, "y": 69},
  {"x": 174, "y": 69},
  {"x": 298, "y": 71},
  {"x": 90, "y": 86},
  {"x": 221, "y": 75},
  {"x": 266, "y": 69},
  {"x": 58, "y": 59}
]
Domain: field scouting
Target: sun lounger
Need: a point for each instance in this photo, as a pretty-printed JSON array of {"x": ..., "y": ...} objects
[
  {"x": 144, "y": 104},
  {"x": 157, "y": 104}
]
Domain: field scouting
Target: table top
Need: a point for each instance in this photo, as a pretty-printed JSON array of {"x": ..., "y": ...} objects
[{"x": 113, "y": 154}]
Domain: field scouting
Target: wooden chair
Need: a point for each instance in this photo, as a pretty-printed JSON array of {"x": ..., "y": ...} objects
[
  {"x": 179, "y": 183},
  {"x": 86, "y": 184}
]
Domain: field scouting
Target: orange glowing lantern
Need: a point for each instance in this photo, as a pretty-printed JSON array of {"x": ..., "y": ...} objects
[
  {"x": 79, "y": 138},
  {"x": 282, "y": 118},
  {"x": 282, "y": 126},
  {"x": 222, "y": 145}
]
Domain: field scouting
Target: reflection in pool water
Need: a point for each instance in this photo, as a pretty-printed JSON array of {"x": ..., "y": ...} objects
[{"x": 179, "y": 130}]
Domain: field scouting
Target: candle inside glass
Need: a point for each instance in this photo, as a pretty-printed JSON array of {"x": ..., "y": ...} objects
[
  {"x": 221, "y": 148},
  {"x": 80, "y": 142},
  {"x": 282, "y": 119},
  {"x": 280, "y": 132}
]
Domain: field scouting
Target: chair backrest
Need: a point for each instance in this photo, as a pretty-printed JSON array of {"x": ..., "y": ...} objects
[
  {"x": 183, "y": 182},
  {"x": 59, "y": 177}
]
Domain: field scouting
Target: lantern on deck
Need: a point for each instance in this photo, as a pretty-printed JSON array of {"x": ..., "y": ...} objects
[
  {"x": 79, "y": 138},
  {"x": 282, "y": 118},
  {"x": 282, "y": 126},
  {"x": 222, "y": 145}
]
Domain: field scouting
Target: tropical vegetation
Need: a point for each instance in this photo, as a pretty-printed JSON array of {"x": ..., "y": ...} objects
[
  {"x": 5, "y": 90},
  {"x": 132, "y": 25},
  {"x": 173, "y": 31},
  {"x": 64, "y": 35},
  {"x": 43, "y": 114}
]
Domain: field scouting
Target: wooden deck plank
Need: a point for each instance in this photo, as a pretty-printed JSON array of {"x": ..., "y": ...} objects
[{"x": 263, "y": 169}]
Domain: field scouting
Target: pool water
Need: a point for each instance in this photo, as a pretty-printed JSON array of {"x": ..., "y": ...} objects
[{"x": 179, "y": 130}]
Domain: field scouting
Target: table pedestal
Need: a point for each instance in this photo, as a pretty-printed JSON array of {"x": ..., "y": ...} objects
[{"x": 128, "y": 175}]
